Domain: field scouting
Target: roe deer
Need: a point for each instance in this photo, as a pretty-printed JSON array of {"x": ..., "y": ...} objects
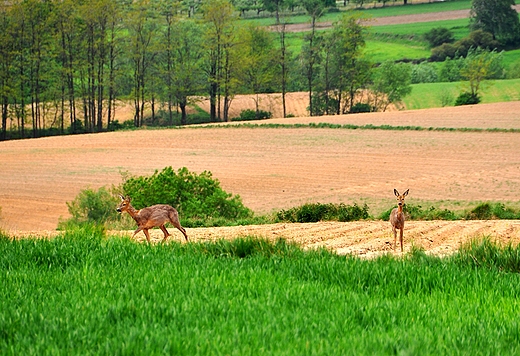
[
  {"x": 397, "y": 217},
  {"x": 152, "y": 216}
]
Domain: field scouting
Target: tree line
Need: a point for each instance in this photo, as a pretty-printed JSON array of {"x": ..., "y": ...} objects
[{"x": 65, "y": 64}]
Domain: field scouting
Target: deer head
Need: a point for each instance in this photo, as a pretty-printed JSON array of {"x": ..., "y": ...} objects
[
  {"x": 124, "y": 205},
  {"x": 400, "y": 197}
]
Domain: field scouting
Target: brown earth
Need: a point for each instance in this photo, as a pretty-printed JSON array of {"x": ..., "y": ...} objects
[{"x": 276, "y": 168}]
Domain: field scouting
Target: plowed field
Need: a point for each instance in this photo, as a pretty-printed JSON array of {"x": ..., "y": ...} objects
[{"x": 277, "y": 168}]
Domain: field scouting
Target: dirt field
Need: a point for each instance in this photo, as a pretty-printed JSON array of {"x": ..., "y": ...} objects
[{"x": 280, "y": 168}]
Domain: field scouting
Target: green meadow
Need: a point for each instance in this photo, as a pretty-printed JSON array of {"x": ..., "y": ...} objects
[
  {"x": 430, "y": 95},
  {"x": 86, "y": 293}
]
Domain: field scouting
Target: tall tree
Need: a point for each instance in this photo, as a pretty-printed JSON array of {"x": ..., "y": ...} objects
[
  {"x": 496, "y": 17},
  {"x": 219, "y": 17},
  {"x": 315, "y": 9},
  {"x": 259, "y": 61},
  {"x": 143, "y": 27},
  {"x": 352, "y": 68},
  {"x": 6, "y": 61},
  {"x": 188, "y": 77},
  {"x": 479, "y": 65},
  {"x": 391, "y": 83}
]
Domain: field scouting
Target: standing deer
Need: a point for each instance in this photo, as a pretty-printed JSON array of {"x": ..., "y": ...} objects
[
  {"x": 397, "y": 217},
  {"x": 152, "y": 216}
]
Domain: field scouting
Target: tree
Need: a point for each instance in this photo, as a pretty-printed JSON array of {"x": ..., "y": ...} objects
[
  {"x": 259, "y": 61},
  {"x": 478, "y": 66},
  {"x": 142, "y": 27},
  {"x": 315, "y": 9},
  {"x": 352, "y": 70},
  {"x": 391, "y": 83},
  {"x": 496, "y": 17},
  {"x": 187, "y": 77},
  {"x": 219, "y": 17}
]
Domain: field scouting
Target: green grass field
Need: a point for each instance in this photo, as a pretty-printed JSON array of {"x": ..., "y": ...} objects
[
  {"x": 371, "y": 12},
  {"x": 84, "y": 293},
  {"x": 433, "y": 95}
]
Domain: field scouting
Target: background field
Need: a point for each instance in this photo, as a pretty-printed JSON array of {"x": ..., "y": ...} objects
[{"x": 275, "y": 168}]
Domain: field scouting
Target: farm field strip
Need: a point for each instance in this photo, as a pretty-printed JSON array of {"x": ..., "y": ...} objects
[
  {"x": 279, "y": 168},
  {"x": 369, "y": 238}
]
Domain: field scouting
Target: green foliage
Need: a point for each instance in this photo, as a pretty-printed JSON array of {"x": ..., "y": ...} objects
[
  {"x": 467, "y": 98},
  {"x": 93, "y": 206},
  {"x": 425, "y": 72},
  {"x": 450, "y": 70},
  {"x": 487, "y": 211},
  {"x": 88, "y": 294},
  {"x": 439, "y": 35},
  {"x": 482, "y": 252},
  {"x": 391, "y": 83},
  {"x": 195, "y": 196},
  {"x": 496, "y": 17},
  {"x": 417, "y": 212},
  {"x": 314, "y": 212},
  {"x": 484, "y": 211},
  {"x": 361, "y": 107},
  {"x": 249, "y": 115}
]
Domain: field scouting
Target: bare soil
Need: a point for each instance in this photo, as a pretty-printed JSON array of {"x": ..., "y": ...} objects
[{"x": 277, "y": 168}]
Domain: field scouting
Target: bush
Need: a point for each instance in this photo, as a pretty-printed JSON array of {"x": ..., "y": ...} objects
[
  {"x": 91, "y": 206},
  {"x": 424, "y": 73},
  {"x": 249, "y": 115},
  {"x": 446, "y": 50},
  {"x": 450, "y": 70},
  {"x": 314, "y": 212},
  {"x": 439, "y": 35},
  {"x": 486, "y": 211},
  {"x": 195, "y": 196},
  {"x": 467, "y": 98},
  {"x": 416, "y": 212},
  {"x": 361, "y": 107}
]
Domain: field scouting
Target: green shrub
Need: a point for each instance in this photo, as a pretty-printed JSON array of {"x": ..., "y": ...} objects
[
  {"x": 314, "y": 212},
  {"x": 361, "y": 107},
  {"x": 424, "y": 72},
  {"x": 93, "y": 206},
  {"x": 248, "y": 115},
  {"x": 195, "y": 196},
  {"x": 446, "y": 50},
  {"x": 467, "y": 98},
  {"x": 439, "y": 35},
  {"x": 487, "y": 211},
  {"x": 416, "y": 212}
]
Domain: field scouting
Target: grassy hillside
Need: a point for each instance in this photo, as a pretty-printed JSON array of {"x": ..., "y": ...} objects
[{"x": 425, "y": 96}]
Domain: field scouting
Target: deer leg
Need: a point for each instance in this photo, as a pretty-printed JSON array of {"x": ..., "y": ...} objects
[
  {"x": 136, "y": 231},
  {"x": 147, "y": 235},
  {"x": 166, "y": 233},
  {"x": 177, "y": 224},
  {"x": 395, "y": 237},
  {"x": 401, "y": 239}
]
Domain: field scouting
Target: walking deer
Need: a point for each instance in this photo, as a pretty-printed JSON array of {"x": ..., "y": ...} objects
[
  {"x": 152, "y": 216},
  {"x": 397, "y": 217}
]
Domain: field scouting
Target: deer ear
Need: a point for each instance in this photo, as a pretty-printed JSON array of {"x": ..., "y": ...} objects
[
  {"x": 396, "y": 192},
  {"x": 122, "y": 197},
  {"x": 406, "y": 193},
  {"x": 128, "y": 198}
]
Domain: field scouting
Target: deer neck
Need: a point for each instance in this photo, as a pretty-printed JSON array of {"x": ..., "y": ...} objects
[
  {"x": 134, "y": 213},
  {"x": 399, "y": 209}
]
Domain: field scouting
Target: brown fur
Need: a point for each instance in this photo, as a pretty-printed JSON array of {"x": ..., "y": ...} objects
[
  {"x": 397, "y": 218},
  {"x": 152, "y": 216}
]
